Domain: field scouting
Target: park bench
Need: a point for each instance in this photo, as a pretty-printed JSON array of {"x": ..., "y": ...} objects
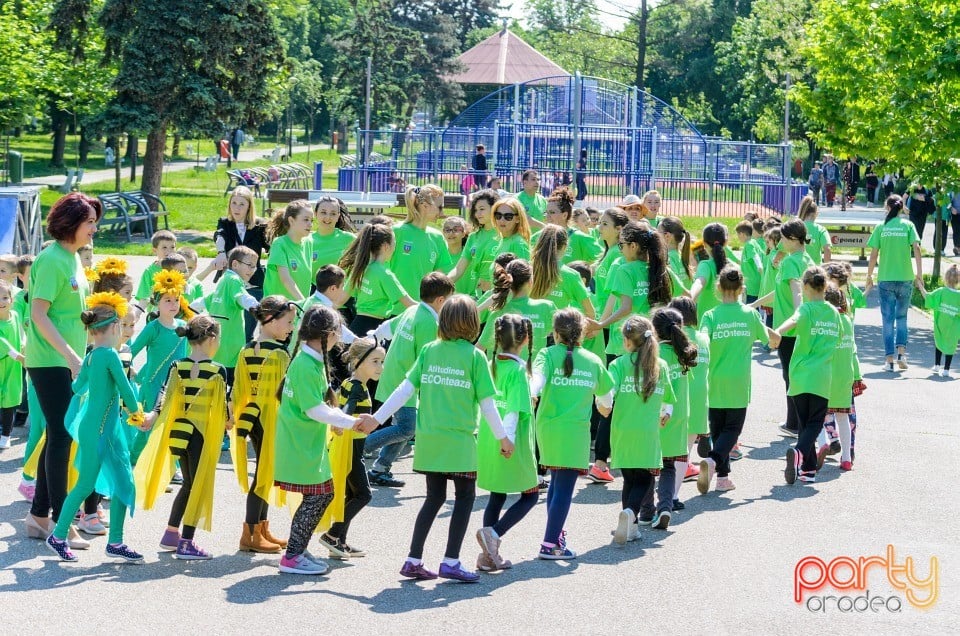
[
  {"x": 120, "y": 212},
  {"x": 237, "y": 178},
  {"x": 72, "y": 182},
  {"x": 151, "y": 205},
  {"x": 450, "y": 201},
  {"x": 274, "y": 155}
]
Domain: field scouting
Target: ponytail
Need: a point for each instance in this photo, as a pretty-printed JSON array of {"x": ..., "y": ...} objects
[
  {"x": 368, "y": 243},
  {"x": 568, "y": 326},
  {"x": 279, "y": 224},
  {"x": 546, "y": 261},
  {"x": 674, "y": 227},
  {"x": 646, "y": 354},
  {"x": 668, "y": 324},
  {"x": 894, "y": 207},
  {"x": 715, "y": 238}
]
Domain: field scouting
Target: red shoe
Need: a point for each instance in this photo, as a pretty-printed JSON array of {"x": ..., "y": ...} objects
[
  {"x": 846, "y": 466},
  {"x": 692, "y": 472},
  {"x": 599, "y": 475}
]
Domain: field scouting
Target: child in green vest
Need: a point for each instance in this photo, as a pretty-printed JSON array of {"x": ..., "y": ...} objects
[{"x": 945, "y": 303}]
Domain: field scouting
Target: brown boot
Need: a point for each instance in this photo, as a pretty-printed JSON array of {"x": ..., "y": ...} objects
[
  {"x": 266, "y": 534},
  {"x": 252, "y": 541}
]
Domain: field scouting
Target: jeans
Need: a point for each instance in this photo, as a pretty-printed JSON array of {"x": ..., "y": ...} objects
[
  {"x": 894, "y": 303},
  {"x": 391, "y": 439}
]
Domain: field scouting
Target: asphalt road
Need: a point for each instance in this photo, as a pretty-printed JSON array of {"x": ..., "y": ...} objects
[{"x": 725, "y": 565}]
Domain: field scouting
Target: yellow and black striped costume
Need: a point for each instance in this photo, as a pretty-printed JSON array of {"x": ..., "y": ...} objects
[
  {"x": 261, "y": 367},
  {"x": 353, "y": 399},
  {"x": 193, "y": 401}
]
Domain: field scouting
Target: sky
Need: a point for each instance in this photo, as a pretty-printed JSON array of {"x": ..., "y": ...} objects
[{"x": 604, "y": 9}]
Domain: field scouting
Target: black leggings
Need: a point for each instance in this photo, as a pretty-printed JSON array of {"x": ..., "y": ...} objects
[
  {"x": 601, "y": 447},
  {"x": 465, "y": 492},
  {"x": 785, "y": 353},
  {"x": 725, "y": 428},
  {"x": 305, "y": 521},
  {"x": 189, "y": 461},
  {"x": 257, "y": 507},
  {"x": 6, "y": 420},
  {"x": 636, "y": 483},
  {"x": 358, "y": 492},
  {"x": 812, "y": 409},
  {"x": 513, "y": 515},
  {"x": 948, "y": 358},
  {"x": 54, "y": 390}
]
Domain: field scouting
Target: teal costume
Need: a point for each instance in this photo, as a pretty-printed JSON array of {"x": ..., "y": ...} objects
[
  {"x": 164, "y": 347},
  {"x": 102, "y": 458}
]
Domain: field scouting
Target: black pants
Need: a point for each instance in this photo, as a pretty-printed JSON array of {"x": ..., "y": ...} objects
[
  {"x": 6, "y": 420},
  {"x": 189, "y": 462},
  {"x": 665, "y": 487},
  {"x": 636, "y": 483},
  {"x": 305, "y": 519},
  {"x": 361, "y": 324},
  {"x": 601, "y": 447},
  {"x": 725, "y": 428},
  {"x": 53, "y": 386},
  {"x": 257, "y": 507},
  {"x": 464, "y": 494},
  {"x": 785, "y": 353},
  {"x": 948, "y": 358},
  {"x": 955, "y": 226},
  {"x": 249, "y": 322},
  {"x": 871, "y": 194},
  {"x": 811, "y": 409},
  {"x": 357, "y": 495},
  {"x": 919, "y": 220}
]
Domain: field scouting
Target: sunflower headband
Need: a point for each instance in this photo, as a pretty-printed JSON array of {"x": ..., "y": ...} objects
[
  {"x": 107, "y": 299},
  {"x": 169, "y": 281},
  {"x": 111, "y": 266}
]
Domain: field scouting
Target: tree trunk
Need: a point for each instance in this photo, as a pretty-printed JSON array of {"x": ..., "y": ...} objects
[
  {"x": 175, "y": 151},
  {"x": 84, "y": 146},
  {"x": 641, "y": 44},
  {"x": 153, "y": 161},
  {"x": 343, "y": 143},
  {"x": 132, "y": 142},
  {"x": 59, "y": 120}
]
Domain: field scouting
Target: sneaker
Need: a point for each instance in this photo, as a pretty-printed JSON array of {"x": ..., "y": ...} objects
[
  {"x": 902, "y": 362},
  {"x": 543, "y": 483},
  {"x": 177, "y": 478},
  {"x": 4, "y": 442},
  {"x": 188, "y": 550},
  {"x": 457, "y": 573},
  {"x": 787, "y": 431},
  {"x": 352, "y": 551},
  {"x": 808, "y": 476},
  {"x": 417, "y": 572},
  {"x": 599, "y": 475},
  {"x": 490, "y": 544},
  {"x": 707, "y": 468},
  {"x": 888, "y": 366},
  {"x": 300, "y": 564},
  {"x": 790, "y": 471},
  {"x": 225, "y": 446},
  {"x": 692, "y": 471},
  {"x": 170, "y": 540},
  {"x": 103, "y": 515},
  {"x": 484, "y": 564},
  {"x": 121, "y": 551},
  {"x": 27, "y": 489},
  {"x": 846, "y": 466},
  {"x": 945, "y": 373},
  {"x": 556, "y": 553},
  {"x": 725, "y": 484},
  {"x": 385, "y": 480},
  {"x": 735, "y": 453},
  {"x": 624, "y": 521},
  {"x": 822, "y": 455},
  {"x": 334, "y": 545},
  {"x": 90, "y": 524},
  {"x": 678, "y": 505},
  {"x": 662, "y": 520},
  {"x": 704, "y": 446},
  {"x": 644, "y": 521},
  {"x": 936, "y": 369},
  {"x": 61, "y": 548},
  {"x": 834, "y": 447}
]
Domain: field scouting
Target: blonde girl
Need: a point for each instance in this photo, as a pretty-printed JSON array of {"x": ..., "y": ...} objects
[
  {"x": 819, "y": 246},
  {"x": 510, "y": 220},
  {"x": 290, "y": 266},
  {"x": 420, "y": 246},
  {"x": 551, "y": 279}
]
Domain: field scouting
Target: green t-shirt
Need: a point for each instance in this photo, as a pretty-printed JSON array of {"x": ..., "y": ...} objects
[
  {"x": 855, "y": 300},
  {"x": 563, "y": 414},
  {"x": 328, "y": 249},
  {"x": 709, "y": 296},
  {"x": 628, "y": 278},
  {"x": 225, "y": 302},
  {"x": 732, "y": 329},
  {"x": 380, "y": 291},
  {"x": 145, "y": 288},
  {"x": 569, "y": 290},
  {"x": 673, "y": 436},
  {"x": 675, "y": 263},
  {"x": 818, "y": 334},
  {"x": 194, "y": 290},
  {"x": 731, "y": 255},
  {"x": 452, "y": 377},
  {"x": 538, "y": 311},
  {"x": 513, "y": 244},
  {"x": 635, "y": 424},
  {"x": 768, "y": 280},
  {"x": 519, "y": 473},
  {"x": 418, "y": 253},
  {"x": 791, "y": 268},
  {"x": 479, "y": 252},
  {"x": 11, "y": 371},
  {"x": 601, "y": 277},
  {"x": 895, "y": 240},
  {"x": 819, "y": 239},
  {"x": 58, "y": 278},
  {"x": 945, "y": 303},
  {"x": 844, "y": 368},
  {"x": 301, "y": 442},
  {"x": 415, "y": 328},
  {"x": 581, "y": 247},
  {"x": 699, "y": 384},
  {"x": 535, "y": 205},
  {"x": 752, "y": 265},
  {"x": 297, "y": 258}
]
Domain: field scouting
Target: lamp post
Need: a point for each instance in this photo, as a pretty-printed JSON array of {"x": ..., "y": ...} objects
[{"x": 293, "y": 83}]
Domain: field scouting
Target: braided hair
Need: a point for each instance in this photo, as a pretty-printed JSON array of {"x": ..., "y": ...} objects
[
  {"x": 510, "y": 330},
  {"x": 568, "y": 327},
  {"x": 319, "y": 323}
]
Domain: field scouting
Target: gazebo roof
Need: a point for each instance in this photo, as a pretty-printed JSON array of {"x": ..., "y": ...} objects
[{"x": 504, "y": 58}]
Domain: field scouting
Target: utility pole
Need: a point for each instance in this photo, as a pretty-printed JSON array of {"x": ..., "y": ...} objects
[{"x": 786, "y": 148}]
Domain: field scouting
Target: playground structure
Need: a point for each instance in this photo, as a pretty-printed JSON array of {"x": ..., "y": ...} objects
[
  {"x": 20, "y": 225},
  {"x": 634, "y": 142}
]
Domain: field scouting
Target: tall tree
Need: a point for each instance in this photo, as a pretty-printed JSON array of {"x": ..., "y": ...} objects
[
  {"x": 468, "y": 15},
  {"x": 22, "y": 47}
]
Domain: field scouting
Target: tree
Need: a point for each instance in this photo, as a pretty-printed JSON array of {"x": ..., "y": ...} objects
[
  {"x": 21, "y": 48},
  {"x": 468, "y": 15}
]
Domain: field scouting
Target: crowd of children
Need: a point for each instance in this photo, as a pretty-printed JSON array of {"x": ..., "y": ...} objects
[{"x": 598, "y": 333}]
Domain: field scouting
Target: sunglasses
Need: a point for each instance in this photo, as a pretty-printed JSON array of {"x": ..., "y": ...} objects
[{"x": 504, "y": 216}]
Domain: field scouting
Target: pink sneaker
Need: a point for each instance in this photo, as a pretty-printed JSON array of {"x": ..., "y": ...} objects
[
  {"x": 692, "y": 472},
  {"x": 724, "y": 484},
  {"x": 27, "y": 489},
  {"x": 599, "y": 475}
]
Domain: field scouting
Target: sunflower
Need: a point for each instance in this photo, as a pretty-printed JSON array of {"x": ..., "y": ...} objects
[
  {"x": 185, "y": 312},
  {"x": 169, "y": 281},
  {"x": 109, "y": 299},
  {"x": 112, "y": 266},
  {"x": 91, "y": 274},
  {"x": 137, "y": 418},
  {"x": 698, "y": 244}
]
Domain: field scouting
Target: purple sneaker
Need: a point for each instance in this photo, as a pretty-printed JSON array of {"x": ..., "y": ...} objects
[
  {"x": 61, "y": 548},
  {"x": 417, "y": 572},
  {"x": 188, "y": 550},
  {"x": 170, "y": 540},
  {"x": 457, "y": 573}
]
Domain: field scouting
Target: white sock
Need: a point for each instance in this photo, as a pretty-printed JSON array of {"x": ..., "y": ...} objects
[
  {"x": 843, "y": 428},
  {"x": 681, "y": 468},
  {"x": 493, "y": 532},
  {"x": 413, "y": 561},
  {"x": 451, "y": 562}
]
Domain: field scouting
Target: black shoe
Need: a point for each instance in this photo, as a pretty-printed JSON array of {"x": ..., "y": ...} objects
[
  {"x": 678, "y": 505},
  {"x": 385, "y": 480},
  {"x": 543, "y": 484},
  {"x": 834, "y": 447},
  {"x": 19, "y": 419},
  {"x": 704, "y": 446}
]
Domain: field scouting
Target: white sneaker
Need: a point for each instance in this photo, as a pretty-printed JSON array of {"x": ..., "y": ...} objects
[
  {"x": 626, "y": 519},
  {"x": 302, "y": 565},
  {"x": 945, "y": 373},
  {"x": 4, "y": 441},
  {"x": 936, "y": 369},
  {"x": 90, "y": 524}
]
